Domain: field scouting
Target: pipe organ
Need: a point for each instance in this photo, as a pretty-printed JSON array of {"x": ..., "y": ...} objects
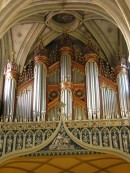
[{"x": 88, "y": 86}]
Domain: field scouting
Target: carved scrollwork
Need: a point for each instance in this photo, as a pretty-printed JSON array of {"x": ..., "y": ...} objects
[
  {"x": 79, "y": 93},
  {"x": 53, "y": 94}
]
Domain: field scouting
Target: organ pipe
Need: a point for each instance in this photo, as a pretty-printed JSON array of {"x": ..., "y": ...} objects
[
  {"x": 92, "y": 84},
  {"x": 23, "y": 109},
  {"x": 123, "y": 90},
  {"x": 109, "y": 101},
  {"x": 39, "y": 100},
  {"x": 10, "y": 72},
  {"x": 53, "y": 113},
  {"x": 66, "y": 94}
]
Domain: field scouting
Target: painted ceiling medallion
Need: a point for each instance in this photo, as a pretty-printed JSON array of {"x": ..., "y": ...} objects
[
  {"x": 63, "y": 18},
  {"x": 62, "y": 22}
]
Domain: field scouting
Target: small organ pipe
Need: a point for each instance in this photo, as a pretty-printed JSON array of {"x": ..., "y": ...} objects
[
  {"x": 88, "y": 88},
  {"x": 13, "y": 98},
  {"x": 111, "y": 103},
  {"x": 103, "y": 102},
  {"x": 96, "y": 86},
  {"x": 29, "y": 101},
  {"x": 105, "y": 98},
  {"x": 108, "y": 105},
  {"x": 27, "y": 105},
  {"x": 8, "y": 97},
  {"x": 43, "y": 107},
  {"x": 5, "y": 97},
  {"x": 34, "y": 94},
  {"x": 92, "y": 88},
  {"x": 126, "y": 91},
  {"x": 123, "y": 93},
  {"x": 120, "y": 94},
  {"x": 97, "y": 95},
  {"x": 22, "y": 106}
]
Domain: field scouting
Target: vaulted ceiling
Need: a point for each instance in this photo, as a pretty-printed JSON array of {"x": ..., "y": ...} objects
[
  {"x": 24, "y": 23},
  {"x": 102, "y": 163}
]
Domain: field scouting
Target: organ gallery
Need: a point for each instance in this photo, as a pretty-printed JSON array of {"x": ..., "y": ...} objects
[
  {"x": 71, "y": 88},
  {"x": 64, "y": 89}
]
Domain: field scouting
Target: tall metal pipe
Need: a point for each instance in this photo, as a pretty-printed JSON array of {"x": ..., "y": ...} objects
[
  {"x": 66, "y": 96},
  {"x": 39, "y": 99},
  {"x": 123, "y": 85},
  {"x": 92, "y": 77},
  {"x": 10, "y": 72}
]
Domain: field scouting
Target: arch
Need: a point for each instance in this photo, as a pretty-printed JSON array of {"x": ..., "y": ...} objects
[{"x": 107, "y": 8}]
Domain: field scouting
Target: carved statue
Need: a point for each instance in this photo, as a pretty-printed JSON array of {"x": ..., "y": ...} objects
[
  {"x": 75, "y": 133},
  {"x": 105, "y": 140},
  {"x": 85, "y": 137},
  {"x": 66, "y": 142},
  {"x": 115, "y": 140},
  {"x": 123, "y": 62},
  {"x": 95, "y": 139},
  {"x": 48, "y": 135},
  {"x": 38, "y": 140},
  {"x": 90, "y": 114},
  {"x": 60, "y": 142},
  {"x": 57, "y": 141},
  {"x": 9, "y": 144},
  {"x": 29, "y": 142},
  {"x": 1, "y": 143},
  {"x": 94, "y": 115},
  {"x": 19, "y": 143},
  {"x": 125, "y": 142}
]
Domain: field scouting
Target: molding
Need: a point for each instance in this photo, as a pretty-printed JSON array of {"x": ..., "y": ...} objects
[
  {"x": 53, "y": 103},
  {"x": 25, "y": 85},
  {"x": 54, "y": 67},
  {"x": 79, "y": 102},
  {"x": 78, "y": 66},
  {"x": 108, "y": 83}
]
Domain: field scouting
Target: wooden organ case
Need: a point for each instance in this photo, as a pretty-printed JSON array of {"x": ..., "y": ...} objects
[
  {"x": 84, "y": 82},
  {"x": 69, "y": 95}
]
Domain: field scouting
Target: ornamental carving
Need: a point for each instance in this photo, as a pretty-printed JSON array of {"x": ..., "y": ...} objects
[
  {"x": 53, "y": 94},
  {"x": 79, "y": 93}
]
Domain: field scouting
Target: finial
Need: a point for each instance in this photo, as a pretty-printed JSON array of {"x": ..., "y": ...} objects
[
  {"x": 91, "y": 48},
  {"x": 121, "y": 58},
  {"x": 13, "y": 55}
]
